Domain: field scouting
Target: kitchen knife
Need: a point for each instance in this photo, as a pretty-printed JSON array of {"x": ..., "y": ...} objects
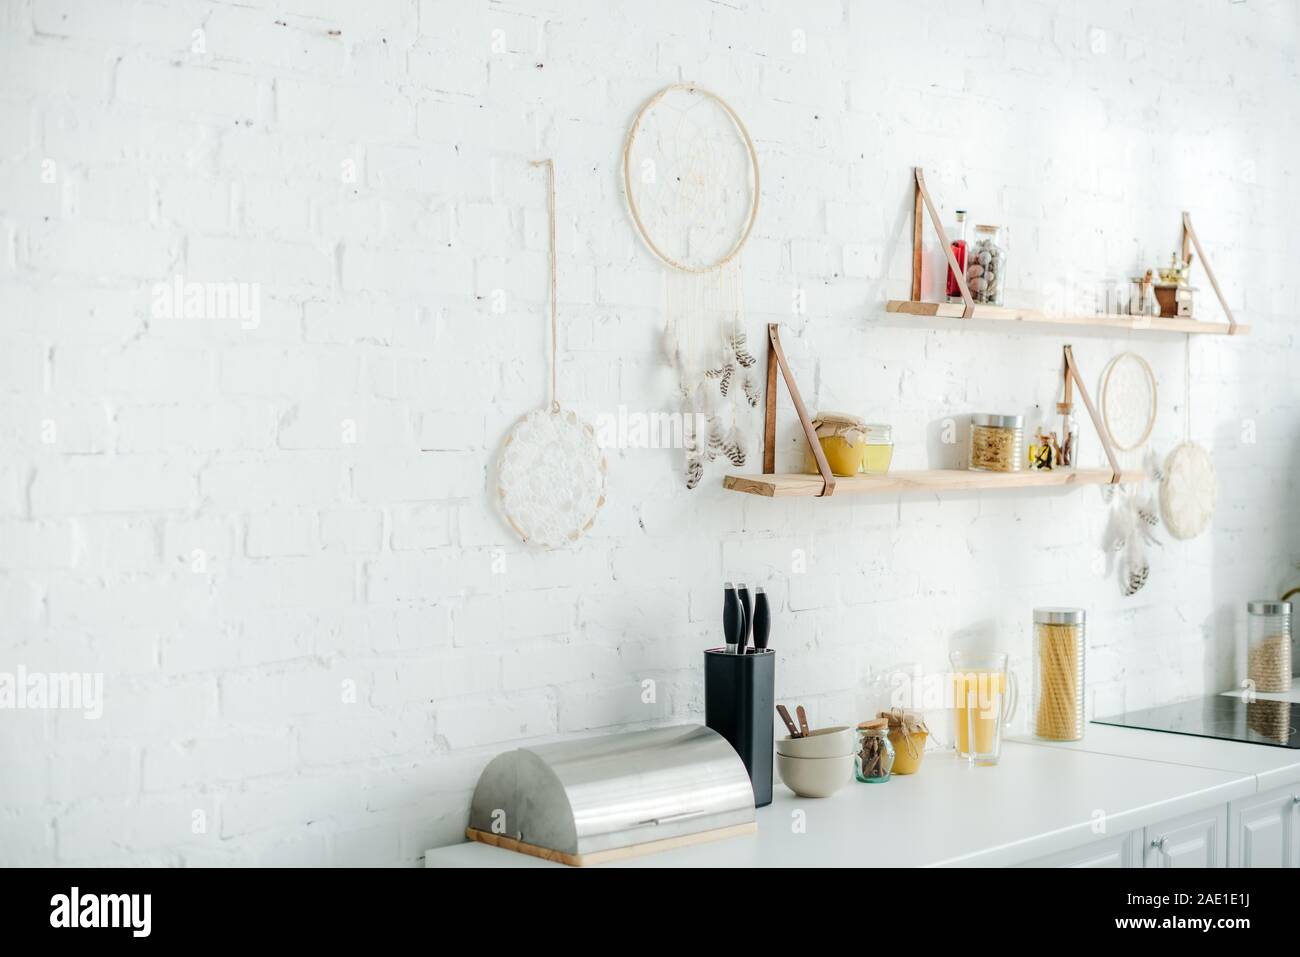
[
  {"x": 762, "y": 620},
  {"x": 731, "y": 622},
  {"x": 747, "y": 619}
]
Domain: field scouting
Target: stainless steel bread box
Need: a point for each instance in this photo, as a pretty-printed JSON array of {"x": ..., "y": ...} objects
[{"x": 598, "y": 799}]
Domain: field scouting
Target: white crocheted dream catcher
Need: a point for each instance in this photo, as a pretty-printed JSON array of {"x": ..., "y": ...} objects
[
  {"x": 551, "y": 470},
  {"x": 690, "y": 174},
  {"x": 1188, "y": 485}
]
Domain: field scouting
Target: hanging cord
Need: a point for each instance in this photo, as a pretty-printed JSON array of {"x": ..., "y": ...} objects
[
  {"x": 1187, "y": 389},
  {"x": 550, "y": 206}
]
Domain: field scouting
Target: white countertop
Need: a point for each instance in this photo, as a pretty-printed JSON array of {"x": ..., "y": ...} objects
[
  {"x": 1043, "y": 797},
  {"x": 1037, "y": 801},
  {"x": 1273, "y": 767}
]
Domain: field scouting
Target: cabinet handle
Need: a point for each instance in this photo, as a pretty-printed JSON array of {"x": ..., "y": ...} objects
[
  {"x": 1159, "y": 844},
  {"x": 1295, "y": 798}
]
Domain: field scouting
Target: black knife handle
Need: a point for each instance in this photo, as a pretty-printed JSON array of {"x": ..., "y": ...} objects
[{"x": 762, "y": 621}]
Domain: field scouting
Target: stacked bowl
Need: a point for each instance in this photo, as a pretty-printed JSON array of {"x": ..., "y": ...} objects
[{"x": 818, "y": 763}]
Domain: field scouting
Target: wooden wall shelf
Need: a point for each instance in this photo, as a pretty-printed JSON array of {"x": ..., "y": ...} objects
[
  {"x": 955, "y": 310},
  {"x": 932, "y": 480},
  {"x": 969, "y": 309}
]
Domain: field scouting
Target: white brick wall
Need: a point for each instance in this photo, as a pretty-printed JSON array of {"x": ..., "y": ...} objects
[{"x": 276, "y": 540}]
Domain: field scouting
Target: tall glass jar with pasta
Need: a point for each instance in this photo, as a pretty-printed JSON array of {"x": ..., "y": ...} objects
[{"x": 1059, "y": 641}]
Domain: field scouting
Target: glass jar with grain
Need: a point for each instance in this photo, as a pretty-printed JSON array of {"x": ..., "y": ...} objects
[
  {"x": 1268, "y": 645},
  {"x": 997, "y": 442}
]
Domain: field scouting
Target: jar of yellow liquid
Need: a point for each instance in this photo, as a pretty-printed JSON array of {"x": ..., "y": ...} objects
[
  {"x": 880, "y": 449},
  {"x": 843, "y": 439},
  {"x": 984, "y": 701}
]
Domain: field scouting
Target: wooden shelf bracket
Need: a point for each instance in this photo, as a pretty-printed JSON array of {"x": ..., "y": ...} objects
[
  {"x": 1070, "y": 373},
  {"x": 922, "y": 198},
  {"x": 1190, "y": 239},
  {"x": 776, "y": 359}
]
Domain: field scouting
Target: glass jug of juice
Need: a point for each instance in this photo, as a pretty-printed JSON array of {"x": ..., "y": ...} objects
[{"x": 984, "y": 697}]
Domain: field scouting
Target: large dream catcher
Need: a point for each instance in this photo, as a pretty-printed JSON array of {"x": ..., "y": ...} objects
[
  {"x": 1128, "y": 409},
  {"x": 690, "y": 173},
  {"x": 551, "y": 471}
]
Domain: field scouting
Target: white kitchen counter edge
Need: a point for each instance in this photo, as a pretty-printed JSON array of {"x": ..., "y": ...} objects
[{"x": 771, "y": 847}]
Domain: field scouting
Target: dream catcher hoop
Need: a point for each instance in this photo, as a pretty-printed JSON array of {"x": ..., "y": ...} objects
[
  {"x": 1128, "y": 401},
  {"x": 551, "y": 470},
  {"x": 690, "y": 174}
]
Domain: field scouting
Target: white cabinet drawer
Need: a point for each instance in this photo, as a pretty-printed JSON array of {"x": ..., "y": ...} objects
[
  {"x": 1119, "y": 850},
  {"x": 1265, "y": 830},
  {"x": 1193, "y": 840}
]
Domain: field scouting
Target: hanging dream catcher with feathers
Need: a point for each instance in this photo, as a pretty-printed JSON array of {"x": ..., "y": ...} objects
[
  {"x": 1134, "y": 518},
  {"x": 690, "y": 174}
]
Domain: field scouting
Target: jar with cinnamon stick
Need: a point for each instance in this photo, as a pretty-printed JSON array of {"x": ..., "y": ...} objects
[{"x": 875, "y": 758}]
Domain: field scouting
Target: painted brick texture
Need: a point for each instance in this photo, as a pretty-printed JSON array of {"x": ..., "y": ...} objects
[{"x": 271, "y": 529}]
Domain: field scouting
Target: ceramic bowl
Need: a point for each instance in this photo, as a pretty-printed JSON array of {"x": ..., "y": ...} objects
[
  {"x": 822, "y": 743},
  {"x": 815, "y": 777}
]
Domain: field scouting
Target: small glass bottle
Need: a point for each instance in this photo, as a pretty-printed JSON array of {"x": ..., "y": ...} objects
[
  {"x": 959, "y": 254},
  {"x": 875, "y": 757},
  {"x": 1068, "y": 452},
  {"x": 1042, "y": 448}
]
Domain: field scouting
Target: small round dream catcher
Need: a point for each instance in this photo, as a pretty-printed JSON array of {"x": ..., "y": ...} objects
[
  {"x": 551, "y": 471},
  {"x": 690, "y": 174},
  {"x": 1188, "y": 484},
  {"x": 1188, "y": 488}
]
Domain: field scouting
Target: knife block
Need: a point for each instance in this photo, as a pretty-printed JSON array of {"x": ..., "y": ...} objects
[{"x": 739, "y": 698}]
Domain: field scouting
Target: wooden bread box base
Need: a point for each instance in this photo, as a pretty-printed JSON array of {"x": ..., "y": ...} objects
[{"x": 613, "y": 854}]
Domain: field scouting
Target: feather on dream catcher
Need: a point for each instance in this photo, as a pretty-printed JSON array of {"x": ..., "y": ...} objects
[
  {"x": 1133, "y": 523},
  {"x": 690, "y": 174}
]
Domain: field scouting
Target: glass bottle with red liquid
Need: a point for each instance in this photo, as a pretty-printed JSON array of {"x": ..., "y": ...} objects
[{"x": 959, "y": 254}]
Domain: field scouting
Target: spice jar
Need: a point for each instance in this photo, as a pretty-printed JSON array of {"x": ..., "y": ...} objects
[
  {"x": 907, "y": 734},
  {"x": 843, "y": 439},
  {"x": 880, "y": 449},
  {"x": 986, "y": 265},
  {"x": 1059, "y": 641},
  {"x": 875, "y": 758},
  {"x": 997, "y": 442},
  {"x": 1042, "y": 449},
  {"x": 1268, "y": 645}
]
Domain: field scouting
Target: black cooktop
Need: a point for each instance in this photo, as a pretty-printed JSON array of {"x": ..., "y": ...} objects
[{"x": 1220, "y": 716}]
